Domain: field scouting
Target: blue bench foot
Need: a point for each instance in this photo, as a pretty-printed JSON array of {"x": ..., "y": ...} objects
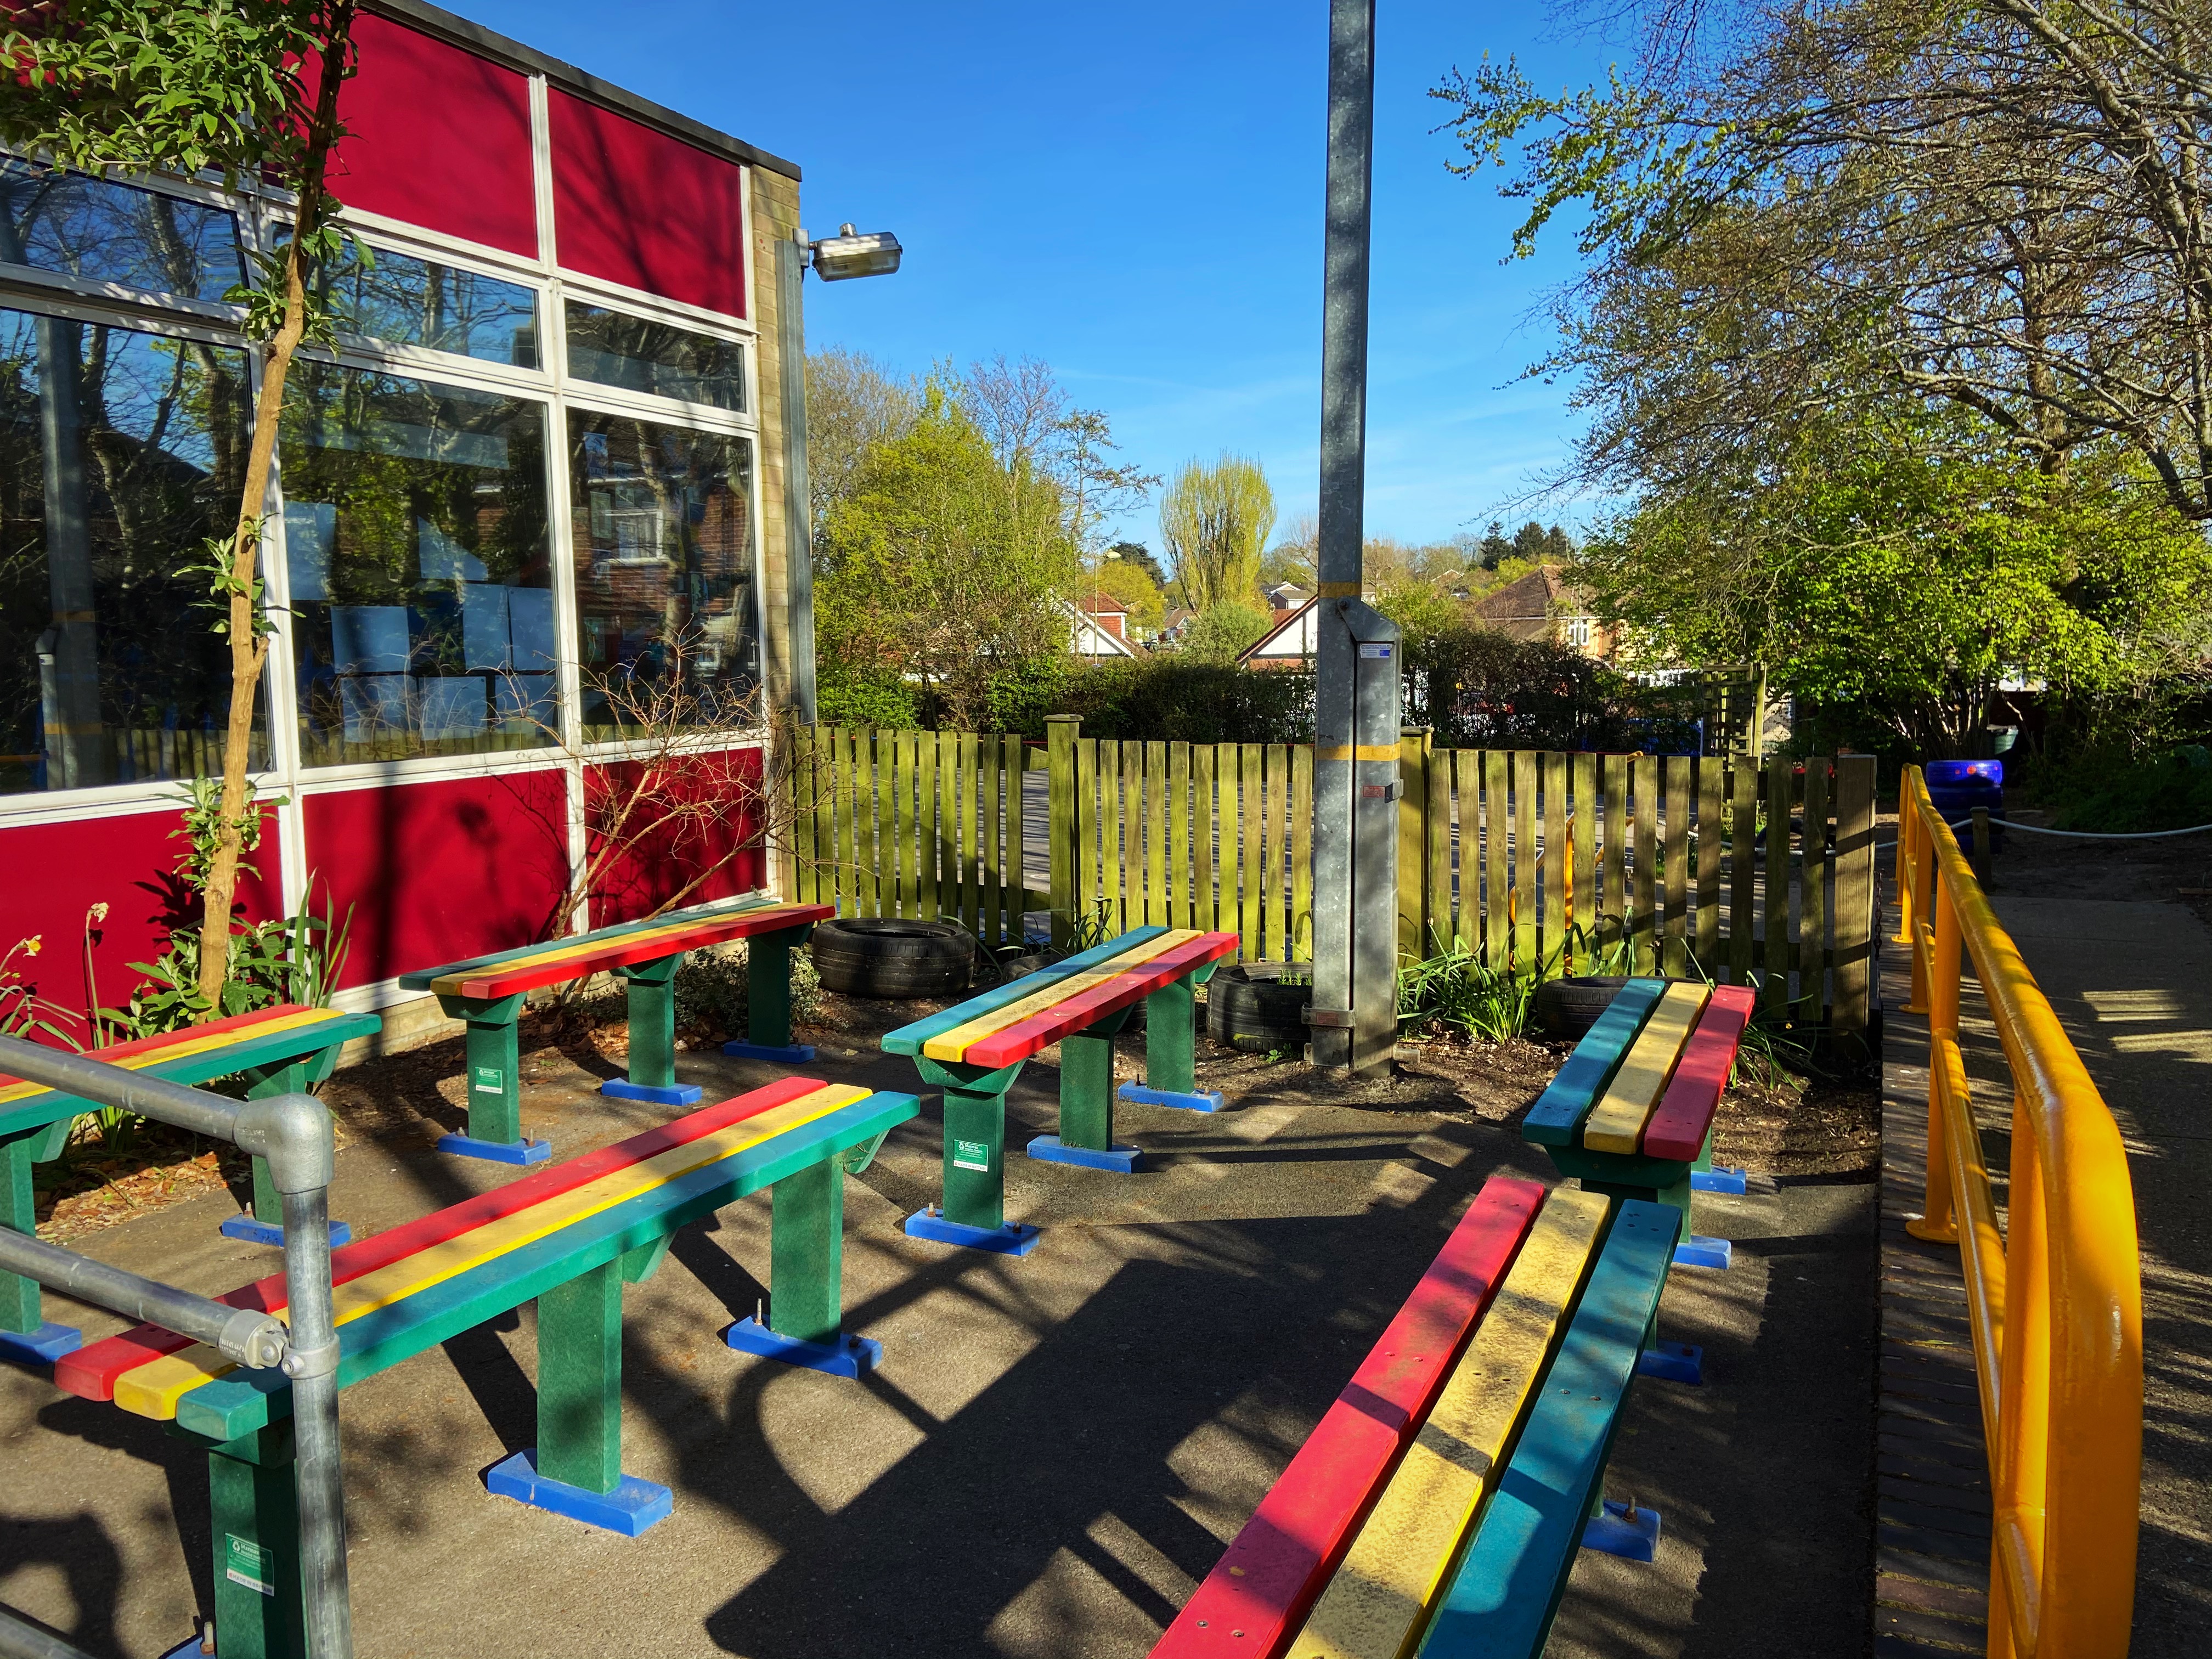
[
  {"x": 1122, "y": 1160},
  {"x": 246, "y": 1228},
  {"x": 1672, "y": 1362},
  {"x": 1698, "y": 1251},
  {"x": 42, "y": 1346},
  {"x": 621, "y": 1088},
  {"x": 1718, "y": 1181},
  {"x": 1014, "y": 1238},
  {"x": 630, "y": 1509},
  {"x": 848, "y": 1356},
  {"x": 190, "y": 1649},
  {"x": 790, "y": 1054},
  {"x": 1205, "y": 1100},
  {"x": 498, "y": 1151},
  {"x": 1632, "y": 1536}
]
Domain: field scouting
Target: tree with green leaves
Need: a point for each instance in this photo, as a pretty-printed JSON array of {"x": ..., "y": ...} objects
[
  {"x": 248, "y": 89},
  {"x": 1221, "y": 632},
  {"x": 1215, "y": 518},
  {"x": 944, "y": 568},
  {"x": 1904, "y": 568},
  {"x": 1129, "y": 583}
]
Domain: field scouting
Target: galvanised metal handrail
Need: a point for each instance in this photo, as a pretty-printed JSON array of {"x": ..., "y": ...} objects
[
  {"x": 292, "y": 1134},
  {"x": 2055, "y": 1300}
]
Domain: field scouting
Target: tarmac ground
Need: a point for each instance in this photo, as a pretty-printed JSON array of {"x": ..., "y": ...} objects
[{"x": 1055, "y": 1449}]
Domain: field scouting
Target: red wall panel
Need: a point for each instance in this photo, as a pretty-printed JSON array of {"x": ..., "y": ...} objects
[
  {"x": 56, "y": 872},
  {"x": 439, "y": 872},
  {"x": 634, "y": 206},
  {"x": 437, "y": 137},
  {"x": 661, "y": 865}
]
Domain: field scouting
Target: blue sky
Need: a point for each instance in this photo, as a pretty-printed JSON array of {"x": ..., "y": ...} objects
[{"x": 1137, "y": 201}]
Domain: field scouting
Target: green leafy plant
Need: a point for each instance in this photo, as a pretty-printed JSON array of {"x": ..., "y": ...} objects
[
  {"x": 23, "y": 1011},
  {"x": 1455, "y": 988},
  {"x": 296, "y": 959},
  {"x": 711, "y": 987}
]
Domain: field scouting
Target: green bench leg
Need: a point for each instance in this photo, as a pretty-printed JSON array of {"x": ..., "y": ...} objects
[
  {"x": 768, "y": 999},
  {"x": 26, "y": 1336},
  {"x": 651, "y": 997},
  {"x": 253, "y": 1503},
  {"x": 1086, "y": 1103},
  {"x": 1171, "y": 1048},
  {"x": 575, "y": 1468},
  {"x": 975, "y": 1208},
  {"x": 806, "y": 1240},
  {"x": 1086, "y": 1091},
  {"x": 806, "y": 1286},
  {"x": 493, "y": 1081},
  {"x": 265, "y": 1224}
]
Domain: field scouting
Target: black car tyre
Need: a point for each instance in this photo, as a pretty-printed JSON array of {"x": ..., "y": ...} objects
[
  {"x": 1249, "y": 1008},
  {"x": 892, "y": 958},
  {"x": 1569, "y": 1007}
]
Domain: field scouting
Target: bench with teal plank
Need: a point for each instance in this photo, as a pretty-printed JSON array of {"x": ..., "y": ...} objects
[
  {"x": 278, "y": 1050},
  {"x": 488, "y": 992},
  {"x": 1632, "y": 1112},
  {"x": 1438, "y": 1506},
  {"x": 975, "y": 1051},
  {"x": 569, "y": 1237}
]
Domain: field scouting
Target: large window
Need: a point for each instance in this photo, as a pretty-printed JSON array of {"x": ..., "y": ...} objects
[
  {"x": 415, "y": 546},
  {"x": 664, "y": 574},
  {"x": 111, "y": 232},
  {"x": 639, "y": 355},
  {"x": 413, "y": 301},
  {"x": 120, "y": 455}
]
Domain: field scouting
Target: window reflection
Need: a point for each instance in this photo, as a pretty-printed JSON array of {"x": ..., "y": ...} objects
[
  {"x": 614, "y": 350},
  {"x": 104, "y": 232},
  {"x": 415, "y": 546},
  {"x": 414, "y": 302},
  {"x": 664, "y": 574},
  {"x": 120, "y": 453}
]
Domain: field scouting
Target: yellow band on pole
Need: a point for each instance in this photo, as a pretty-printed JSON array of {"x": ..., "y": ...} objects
[
  {"x": 1339, "y": 590},
  {"x": 1365, "y": 751}
]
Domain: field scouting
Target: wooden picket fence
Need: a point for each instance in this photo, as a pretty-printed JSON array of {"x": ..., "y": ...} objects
[{"x": 1538, "y": 863}]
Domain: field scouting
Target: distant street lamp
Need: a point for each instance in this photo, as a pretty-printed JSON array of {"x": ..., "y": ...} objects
[{"x": 835, "y": 259}]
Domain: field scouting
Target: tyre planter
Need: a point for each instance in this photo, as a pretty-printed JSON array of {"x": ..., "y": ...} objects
[
  {"x": 1249, "y": 1010},
  {"x": 1567, "y": 1008},
  {"x": 892, "y": 959}
]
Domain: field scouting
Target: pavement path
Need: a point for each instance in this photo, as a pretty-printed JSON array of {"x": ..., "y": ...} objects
[{"x": 1055, "y": 1448}]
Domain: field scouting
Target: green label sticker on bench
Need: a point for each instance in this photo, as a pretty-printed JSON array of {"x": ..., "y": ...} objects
[
  {"x": 490, "y": 1080},
  {"x": 971, "y": 1155},
  {"x": 248, "y": 1564}
]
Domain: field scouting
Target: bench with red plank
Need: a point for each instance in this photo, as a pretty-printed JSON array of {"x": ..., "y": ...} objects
[
  {"x": 277, "y": 1050},
  {"x": 1438, "y": 1505},
  {"x": 569, "y": 1237},
  {"x": 488, "y": 992},
  {"x": 975, "y": 1052}
]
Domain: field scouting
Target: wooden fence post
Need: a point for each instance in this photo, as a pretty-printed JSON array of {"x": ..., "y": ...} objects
[
  {"x": 1062, "y": 731},
  {"x": 1413, "y": 810},
  {"x": 1855, "y": 906}
]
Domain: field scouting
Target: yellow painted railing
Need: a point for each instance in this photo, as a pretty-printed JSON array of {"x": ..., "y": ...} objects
[{"x": 2055, "y": 1300}]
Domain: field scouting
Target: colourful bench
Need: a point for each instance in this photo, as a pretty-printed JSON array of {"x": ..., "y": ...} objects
[
  {"x": 975, "y": 1051},
  {"x": 1630, "y": 1114},
  {"x": 277, "y": 1050},
  {"x": 1438, "y": 1507},
  {"x": 488, "y": 992},
  {"x": 569, "y": 1237}
]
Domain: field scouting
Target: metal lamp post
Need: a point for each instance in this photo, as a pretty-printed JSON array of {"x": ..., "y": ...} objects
[
  {"x": 1356, "y": 684},
  {"x": 835, "y": 259}
]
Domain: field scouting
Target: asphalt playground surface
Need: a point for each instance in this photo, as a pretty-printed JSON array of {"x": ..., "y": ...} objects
[{"x": 1055, "y": 1448}]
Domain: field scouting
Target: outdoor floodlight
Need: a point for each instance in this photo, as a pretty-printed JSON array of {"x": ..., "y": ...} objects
[{"x": 845, "y": 254}]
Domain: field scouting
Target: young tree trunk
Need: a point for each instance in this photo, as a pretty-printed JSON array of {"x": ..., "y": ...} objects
[{"x": 249, "y": 648}]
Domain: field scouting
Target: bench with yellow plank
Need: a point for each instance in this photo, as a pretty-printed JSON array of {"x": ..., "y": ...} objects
[
  {"x": 1438, "y": 1508},
  {"x": 975, "y": 1052},
  {"x": 1630, "y": 1114},
  {"x": 569, "y": 1237},
  {"x": 488, "y": 992},
  {"x": 280, "y": 1050}
]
